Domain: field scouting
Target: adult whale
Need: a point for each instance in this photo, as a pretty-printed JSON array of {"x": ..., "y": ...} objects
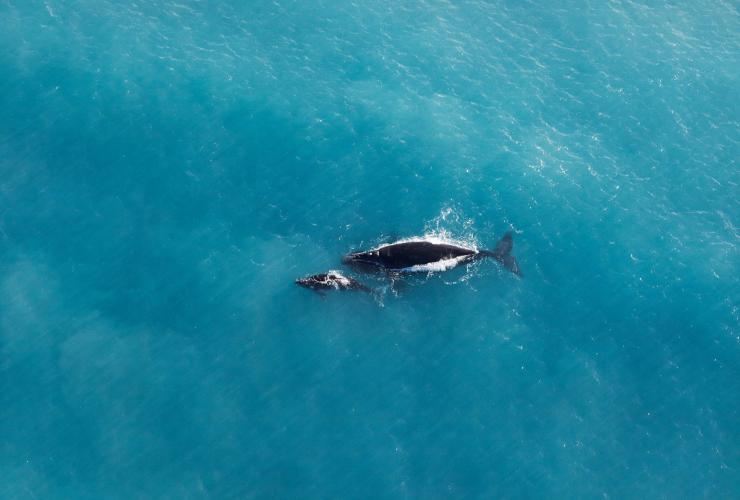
[{"x": 425, "y": 254}]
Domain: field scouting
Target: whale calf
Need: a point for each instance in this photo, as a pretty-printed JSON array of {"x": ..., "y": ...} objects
[
  {"x": 331, "y": 280},
  {"x": 424, "y": 255}
]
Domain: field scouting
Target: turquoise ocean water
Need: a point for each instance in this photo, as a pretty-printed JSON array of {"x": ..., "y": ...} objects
[{"x": 168, "y": 168}]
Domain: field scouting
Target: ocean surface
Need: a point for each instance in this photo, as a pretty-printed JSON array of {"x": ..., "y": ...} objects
[{"x": 169, "y": 168}]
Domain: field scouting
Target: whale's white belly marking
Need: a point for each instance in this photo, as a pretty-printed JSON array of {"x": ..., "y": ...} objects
[{"x": 440, "y": 265}]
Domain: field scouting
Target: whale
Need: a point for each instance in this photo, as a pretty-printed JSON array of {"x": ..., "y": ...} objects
[
  {"x": 430, "y": 254},
  {"x": 331, "y": 280}
]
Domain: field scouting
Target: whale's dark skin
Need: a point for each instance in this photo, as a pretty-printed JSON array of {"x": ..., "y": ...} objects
[
  {"x": 331, "y": 280},
  {"x": 404, "y": 255}
]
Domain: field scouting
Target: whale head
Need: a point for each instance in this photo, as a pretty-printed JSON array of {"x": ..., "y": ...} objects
[
  {"x": 309, "y": 282},
  {"x": 363, "y": 260}
]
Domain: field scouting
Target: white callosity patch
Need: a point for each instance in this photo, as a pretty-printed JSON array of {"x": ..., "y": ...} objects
[{"x": 337, "y": 279}]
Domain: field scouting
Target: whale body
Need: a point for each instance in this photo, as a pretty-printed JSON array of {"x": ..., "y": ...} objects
[
  {"x": 425, "y": 255},
  {"x": 331, "y": 280}
]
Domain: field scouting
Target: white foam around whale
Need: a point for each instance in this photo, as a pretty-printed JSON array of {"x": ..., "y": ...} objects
[
  {"x": 341, "y": 280},
  {"x": 440, "y": 265},
  {"x": 431, "y": 238}
]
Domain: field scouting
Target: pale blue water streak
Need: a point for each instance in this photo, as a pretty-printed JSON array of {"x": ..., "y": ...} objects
[{"x": 167, "y": 169}]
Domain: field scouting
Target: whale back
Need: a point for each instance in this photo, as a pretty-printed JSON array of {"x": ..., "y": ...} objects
[
  {"x": 425, "y": 255},
  {"x": 417, "y": 253}
]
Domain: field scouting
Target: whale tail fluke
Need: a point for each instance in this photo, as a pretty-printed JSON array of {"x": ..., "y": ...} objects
[
  {"x": 510, "y": 263},
  {"x": 502, "y": 253}
]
